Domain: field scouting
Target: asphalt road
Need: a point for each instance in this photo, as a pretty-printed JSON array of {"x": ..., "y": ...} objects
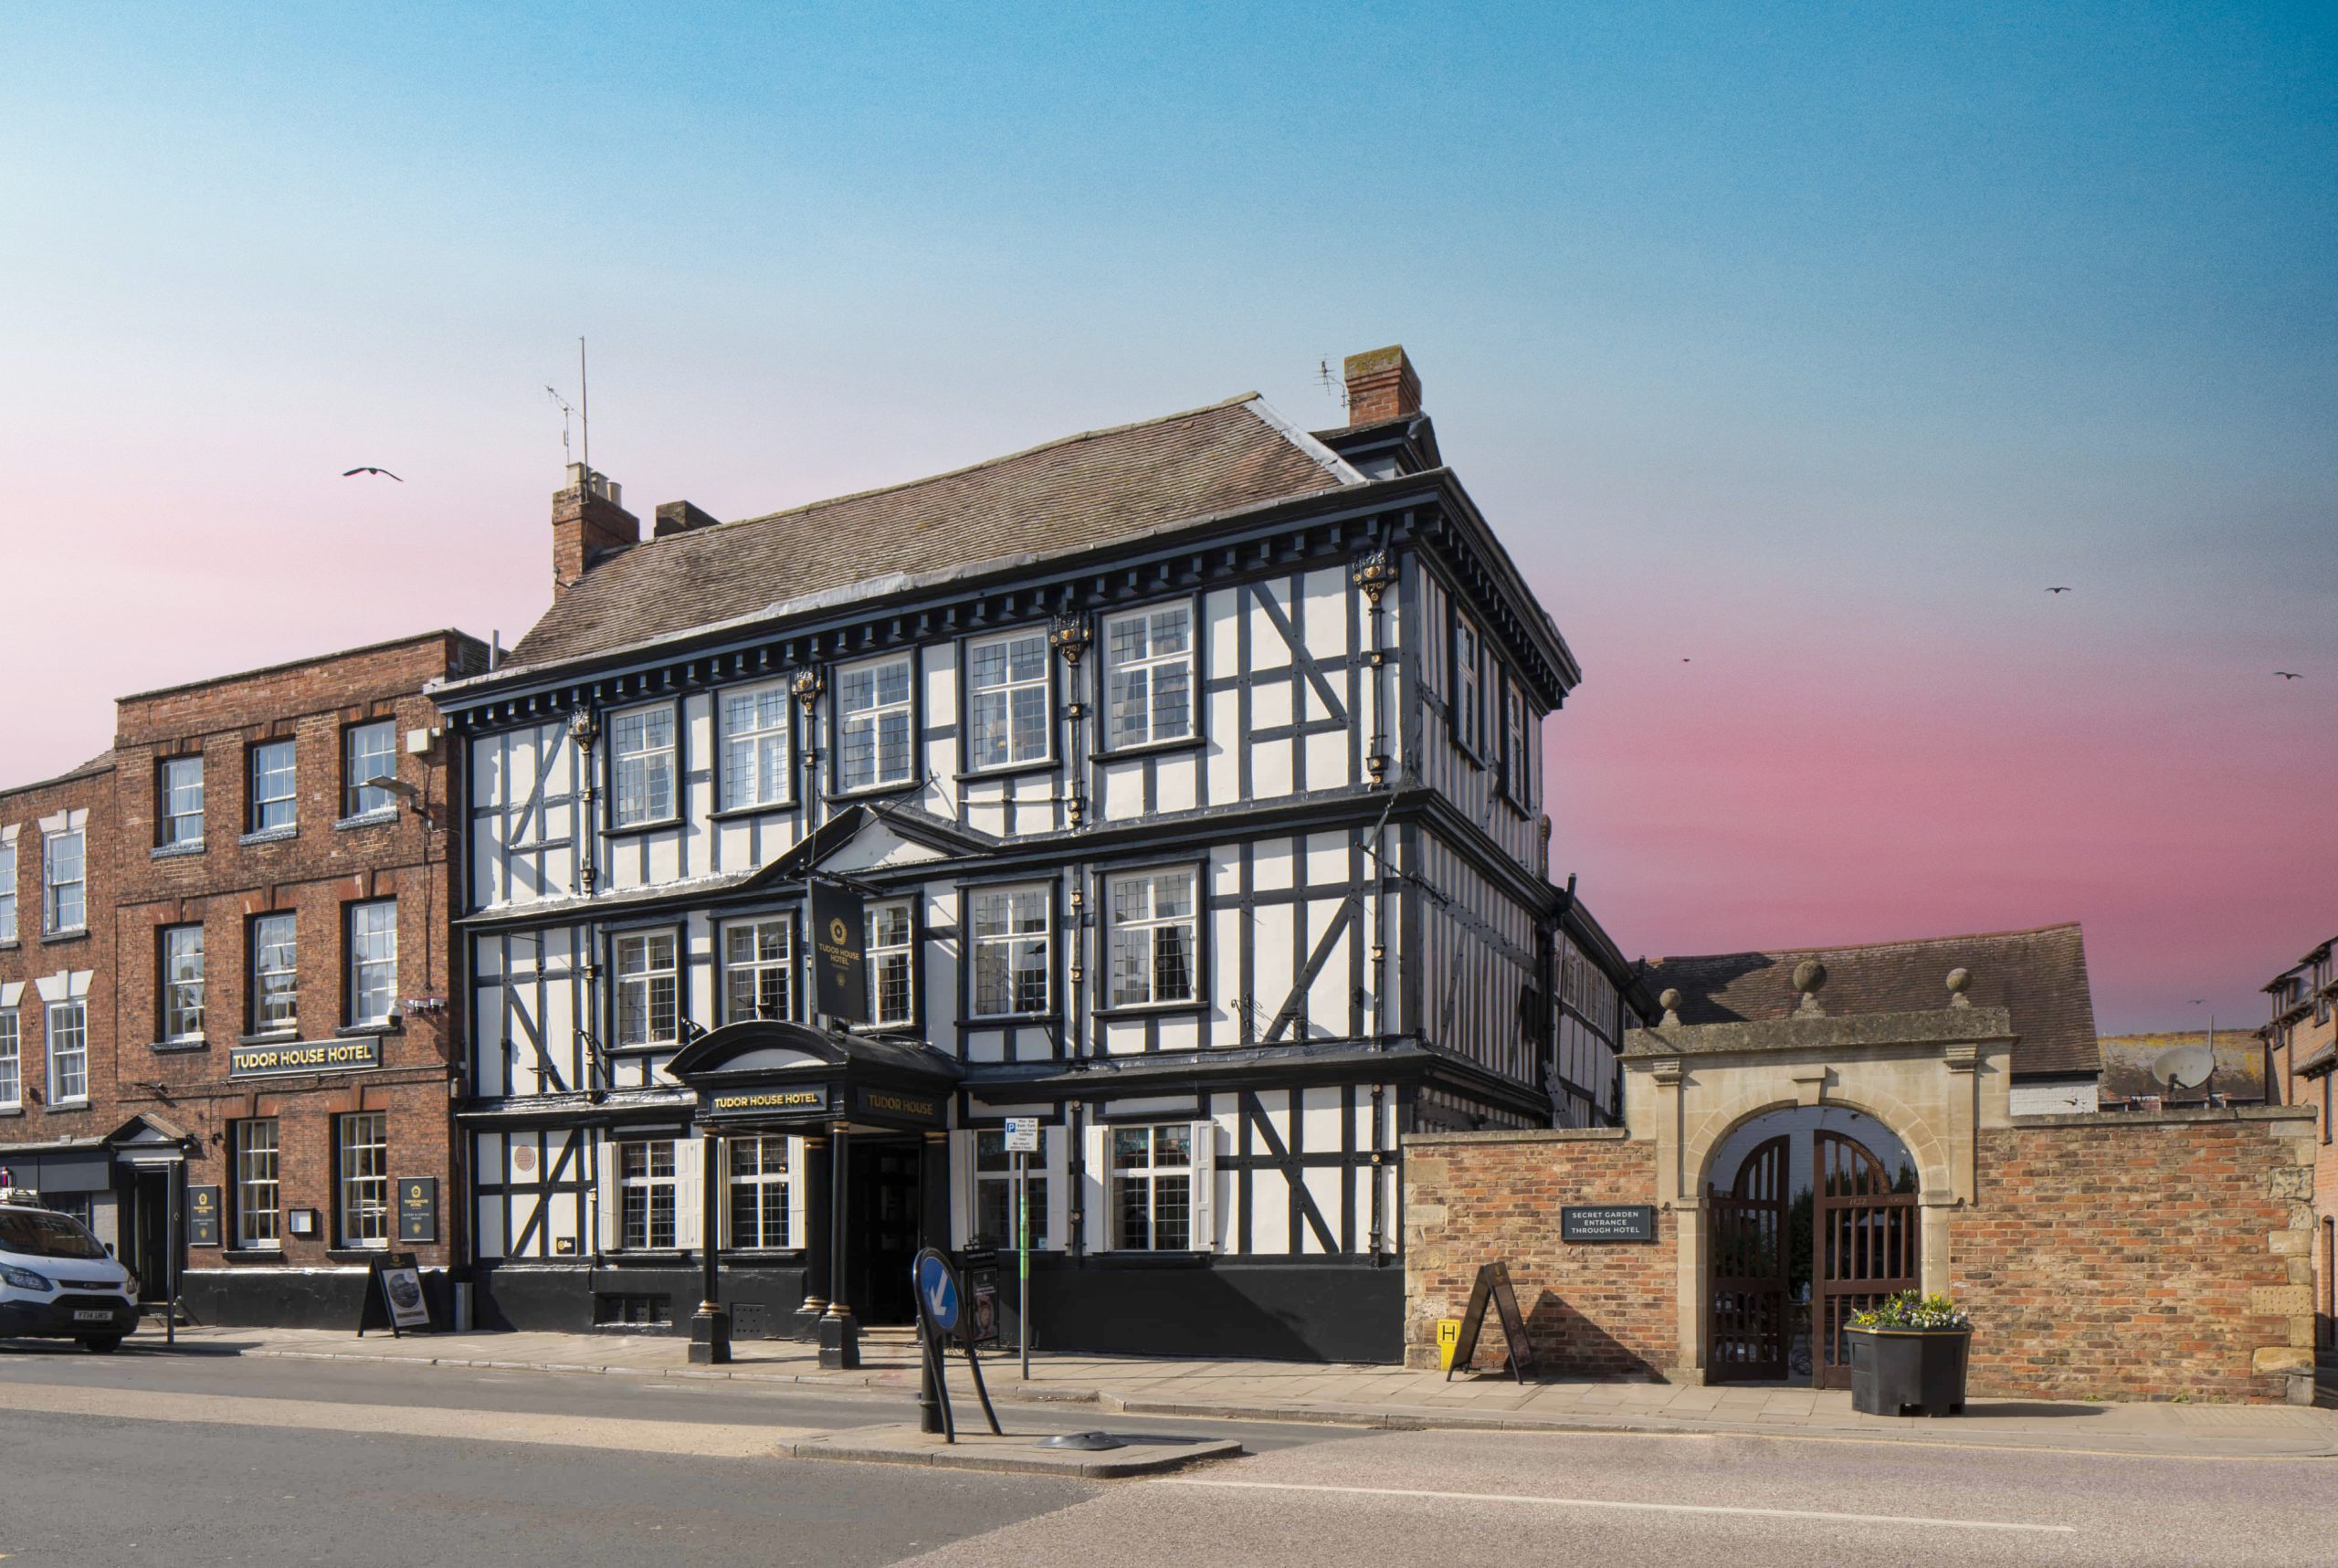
[{"x": 218, "y": 1460}]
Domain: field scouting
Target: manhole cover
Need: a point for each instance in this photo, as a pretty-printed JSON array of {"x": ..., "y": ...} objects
[{"x": 1088, "y": 1441}]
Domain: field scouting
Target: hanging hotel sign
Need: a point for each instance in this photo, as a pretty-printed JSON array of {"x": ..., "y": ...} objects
[
  {"x": 840, "y": 956},
  {"x": 1608, "y": 1222},
  {"x": 351, "y": 1055}
]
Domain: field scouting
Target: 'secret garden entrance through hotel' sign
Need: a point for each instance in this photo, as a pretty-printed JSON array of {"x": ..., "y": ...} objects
[
  {"x": 1608, "y": 1222},
  {"x": 357, "y": 1052}
]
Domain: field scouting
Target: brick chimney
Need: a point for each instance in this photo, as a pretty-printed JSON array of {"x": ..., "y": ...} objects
[
  {"x": 681, "y": 517},
  {"x": 1382, "y": 385},
  {"x": 587, "y": 521}
]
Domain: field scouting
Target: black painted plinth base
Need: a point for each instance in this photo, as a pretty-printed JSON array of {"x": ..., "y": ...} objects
[
  {"x": 709, "y": 1338},
  {"x": 805, "y": 1325},
  {"x": 839, "y": 1341}
]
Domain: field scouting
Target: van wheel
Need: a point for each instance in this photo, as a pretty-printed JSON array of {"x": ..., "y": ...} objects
[{"x": 102, "y": 1344}]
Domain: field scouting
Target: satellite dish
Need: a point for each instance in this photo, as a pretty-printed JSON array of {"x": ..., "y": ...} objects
[{"x": 2184, "y": 1067}]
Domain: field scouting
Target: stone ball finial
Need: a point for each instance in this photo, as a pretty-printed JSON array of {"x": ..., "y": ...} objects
[
  {"x": 1809, "y": 975},
  {"x": 1670, "y": 1001},
  {"x": 1958, "y": 979}
]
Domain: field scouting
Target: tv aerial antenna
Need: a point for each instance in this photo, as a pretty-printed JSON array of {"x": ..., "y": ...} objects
[
  {"x": 582, "y": 412},
  {"x": 1334, "y": 387}
]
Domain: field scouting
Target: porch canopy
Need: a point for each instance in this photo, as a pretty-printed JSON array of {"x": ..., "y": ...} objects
[{"x": 771, "y": 1073}]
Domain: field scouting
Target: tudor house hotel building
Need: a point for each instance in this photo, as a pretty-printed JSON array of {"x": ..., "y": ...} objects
[
  {"x": 223, "y": 1031},
  {"x": 1178, "y": 785}
]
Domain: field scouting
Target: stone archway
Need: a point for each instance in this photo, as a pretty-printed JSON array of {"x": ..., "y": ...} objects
[{"x": 1933, "y": 1080}]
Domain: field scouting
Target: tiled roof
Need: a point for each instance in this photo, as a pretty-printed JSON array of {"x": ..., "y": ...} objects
[
  {"x": 1051, "y": 500},
  {"x": 2037, "y": 976},
  {"x": 101, "y": 763}
]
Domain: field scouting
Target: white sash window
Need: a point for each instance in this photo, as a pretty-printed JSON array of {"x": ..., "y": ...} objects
[
  {"x": 183, "y": 982},
  {"x": 275, "y": 973},
  {"x": 873, "y": 713},
  {"x": 1006, "y": 680},
  {"x": 647, "y": 1207},
  {"x": 1013, "y": 951},
  {"x": 64, "y": 882},
  {"x": 892, "y": 964},
  {"x": 259, "y": 1216},
  {"x": 642, "y": 747},
  {"x": 369, "y": 751},
  {"x": 754, "y": 746},
  {"x": 1155, "y": 933},
  {"x": 12, "y": 1061},
  {"x": 758, "y": 976},
  {"x": 648, "y": 994},
  {"x": 760, "y": 1210},
  {"x": 180, "y": 789},
  {"x": 1149, "y": 675}
]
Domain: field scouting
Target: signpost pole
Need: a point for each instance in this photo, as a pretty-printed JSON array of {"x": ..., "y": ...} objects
[
  {"x": 174, "y": 1194},
  {"x": 1023, "y": 1256}
]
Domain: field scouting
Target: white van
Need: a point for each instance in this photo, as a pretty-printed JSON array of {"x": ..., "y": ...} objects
[{"x": 58, "y": 1282}]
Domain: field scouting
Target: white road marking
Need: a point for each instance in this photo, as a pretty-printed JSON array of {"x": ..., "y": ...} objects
[{"x": 1630, "y": 1507}]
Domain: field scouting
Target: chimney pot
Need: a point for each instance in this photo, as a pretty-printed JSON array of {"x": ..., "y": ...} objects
[
  {"x": 681, "y": 517},
  {"x": 1382, "y": 385}
]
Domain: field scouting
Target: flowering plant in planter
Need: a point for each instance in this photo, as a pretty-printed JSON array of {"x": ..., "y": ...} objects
[{"x": 1912, "y": 1310}]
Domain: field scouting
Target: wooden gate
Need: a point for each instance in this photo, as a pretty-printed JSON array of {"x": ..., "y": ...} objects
[
  {"x": 1749, "y": 1269},
  {"x": 1867, "y": 1246}
]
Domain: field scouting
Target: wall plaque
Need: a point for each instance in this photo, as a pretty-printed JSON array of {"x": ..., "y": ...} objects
[
  {"x": 1608, "y": 1222},
  {"x": 203, "y": 1217},
  {"x": 418, "y": 1208}
]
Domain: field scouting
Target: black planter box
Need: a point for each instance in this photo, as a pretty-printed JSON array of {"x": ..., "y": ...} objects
[{"x": 1903, "y": 1371}]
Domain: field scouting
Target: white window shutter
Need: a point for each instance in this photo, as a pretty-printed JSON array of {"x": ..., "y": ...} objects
[
  {"x": 690, "y": 1192},
  {"x": 605, "y": 1200},
  {"x": 1097, "y": 1195},
  {"x": 963, "y": 1186},
  {"x": 1205, "y": 1214},
  {"x": 1058, "y": 1169},
  {"x": 721, "y": 1172},
  {"x": 799, "y": 1177}
]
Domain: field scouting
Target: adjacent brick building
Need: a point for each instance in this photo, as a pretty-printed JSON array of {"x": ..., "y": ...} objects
[
  {"x": 57, "y": 1026},
  {"x": 255, "y": 960},
  {"x": 2301, "y": 1042}
]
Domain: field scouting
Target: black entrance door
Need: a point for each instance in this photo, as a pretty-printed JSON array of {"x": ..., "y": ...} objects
[
  {"x": 146, "y": 1239},
  {"x": 1867, "y": 1245},
  {"x": 881, "y": 1212},
  {"x": 1750, "y": 1255}
]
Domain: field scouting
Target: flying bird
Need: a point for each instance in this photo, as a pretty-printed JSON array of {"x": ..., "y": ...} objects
[
  {"x": 2058, "y": 590},
  {"x": 2289, "y": 675},
  {"x": 384, "y": 473}
]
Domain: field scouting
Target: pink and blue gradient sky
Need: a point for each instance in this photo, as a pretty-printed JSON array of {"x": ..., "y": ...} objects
[{"x": 1806, "y": 343}]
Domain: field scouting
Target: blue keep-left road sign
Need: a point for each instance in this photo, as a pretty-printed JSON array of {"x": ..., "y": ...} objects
[{"x": 938, "y": 1292}]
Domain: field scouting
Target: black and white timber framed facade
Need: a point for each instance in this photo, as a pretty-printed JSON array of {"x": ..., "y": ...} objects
[{"x": 1191, "y": 778}]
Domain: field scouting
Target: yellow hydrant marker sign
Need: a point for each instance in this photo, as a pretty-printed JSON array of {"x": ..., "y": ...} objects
[{"x": 1449, "y": 1334}]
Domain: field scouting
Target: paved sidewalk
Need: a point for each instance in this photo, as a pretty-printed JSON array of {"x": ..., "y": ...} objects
[{"x": 1383, "y": 1396}]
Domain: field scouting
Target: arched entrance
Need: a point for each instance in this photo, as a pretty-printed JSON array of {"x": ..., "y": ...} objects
[{"x": 1813, "y": 1219}]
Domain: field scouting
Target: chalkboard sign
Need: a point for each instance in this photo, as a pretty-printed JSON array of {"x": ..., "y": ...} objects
[
  {"x": 1493, "y": 1285},
  {"x": 203, "y": 1217},
  {"x": 1608, "y": 1222},
  {"x": 418, "y": 1208},
  {"x": 394, "y": 1299}
]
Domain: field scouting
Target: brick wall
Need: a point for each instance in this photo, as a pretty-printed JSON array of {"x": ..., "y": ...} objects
[
  {"x": 2140, "y": 1256},
  {"x": 1592, "y": 1310}
]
